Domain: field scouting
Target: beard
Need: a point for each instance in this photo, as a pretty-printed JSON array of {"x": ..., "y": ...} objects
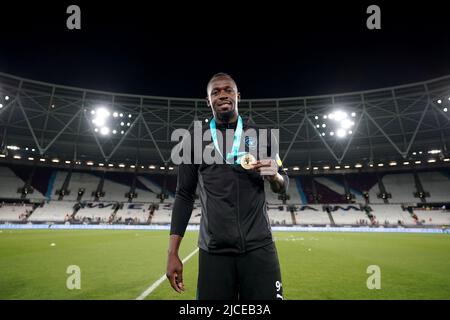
[{"x": 225, "y": 116}]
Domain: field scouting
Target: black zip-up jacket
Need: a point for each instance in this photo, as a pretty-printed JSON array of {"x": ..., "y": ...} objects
[{"x": 233, "y": 204}]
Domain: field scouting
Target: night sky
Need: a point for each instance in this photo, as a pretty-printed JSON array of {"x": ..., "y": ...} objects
[{"x": 282, "y": 50}]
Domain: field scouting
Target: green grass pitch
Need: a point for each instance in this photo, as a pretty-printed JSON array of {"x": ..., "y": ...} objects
[{"x": 122, "y": 264}]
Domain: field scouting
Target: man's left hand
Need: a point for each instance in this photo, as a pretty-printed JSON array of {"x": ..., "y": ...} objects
[{"x": 267, "y": 168}]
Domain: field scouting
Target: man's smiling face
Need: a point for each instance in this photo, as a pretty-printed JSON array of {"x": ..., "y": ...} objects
[{"x": 223, "y": 98}]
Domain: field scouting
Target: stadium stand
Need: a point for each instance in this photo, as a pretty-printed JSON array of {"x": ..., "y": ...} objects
[
  {"x": 271, "y": 198},
  {"x": 82, "y": 180},
  {"x": 68, "y": 176},
  {"x": 96, "y": 212},
  {"x": 391, "y": 215},
  {"x": 161, "y": 217},
  {"x": 348, "y": 214},
  {"x": 437, "y": 183},
  {"x": 53, "y": 211},
  {"x": 153, "y": 187},
  {"x": 115, "y": 191},
  {"x": 336, "y": 184},
  {"x": 304, "y": 186},
  {"x": 57, "y": 184},
  {"x": 279, "y": 217},
  {"x": 401, "y": 186},
  {"x": 311, "y": 215},
  {"x": 327, "y": 195},
  {"x": 10, "y": 183},
  {"x": 148, "y": 207},
  {"x": 15, "y": 212},
  {"x": 433, "y": 217},
  {"x": 138, "y": 213},
  {"x": 363, "y": 182}
]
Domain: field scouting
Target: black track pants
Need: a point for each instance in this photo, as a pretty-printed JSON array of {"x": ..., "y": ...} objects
[{"x": 254, "y": 275}]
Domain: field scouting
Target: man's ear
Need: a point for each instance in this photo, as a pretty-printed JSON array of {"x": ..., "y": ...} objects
[
  {"x": 207, "y": 102},
  {"x": 239, "y": 96}
]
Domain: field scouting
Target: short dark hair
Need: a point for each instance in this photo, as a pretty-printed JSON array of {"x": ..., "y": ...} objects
[{"x": 220, "y": 75}]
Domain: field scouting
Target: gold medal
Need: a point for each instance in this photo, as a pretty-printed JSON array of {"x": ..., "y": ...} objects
[{"x": 247, "y": 161}]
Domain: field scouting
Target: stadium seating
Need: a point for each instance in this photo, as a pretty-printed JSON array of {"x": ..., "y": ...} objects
[
  {"x": 40, "y": 183},
  {"x": 401, "y": 186},
  {"x": 114, "y": 191},
  {"x": 14, "y": 212},
  {"x": 82, "y": 180},
  {"x": 295, "y": 197},
  {"x": 96, "y": 211},
  {"x": 373, "y": 194},
  {"x": 10, "y": 183},
  {"x": 327, "y": 195},
  {"x": 311, "y": 215},
  {"x": 348, "y": 214},
  {"x": 433, "y": 217},
  {"x": 336, "y": 184},
  {"x": 137, "y": 212},
  {"x": 153, "y": 187},
  {"x": 58, "y": 181},
  {"x": 161, "y": 217},
  {"x": 363, "y": 182},
  {"x": 437, "y": 183},
  {"x": 391, "y": 213},
  {"x": 271, "y": 197},
  {"x": 279, "y": 217},
  {"x": 304, "y": 186},
  {"x": 53, "y": 211},
  {"x": 330, "y": 189}
]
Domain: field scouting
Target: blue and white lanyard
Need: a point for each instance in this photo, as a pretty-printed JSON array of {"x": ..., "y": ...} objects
[{"x": 236, "y": 140}]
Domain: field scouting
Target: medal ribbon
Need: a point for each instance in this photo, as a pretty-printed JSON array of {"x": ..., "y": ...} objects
[{"x": 236, "y": 140}]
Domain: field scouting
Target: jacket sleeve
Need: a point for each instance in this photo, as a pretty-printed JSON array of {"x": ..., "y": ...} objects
[
  {"x": 184, "y": 198},
  {"x": 285, "y": 179}
]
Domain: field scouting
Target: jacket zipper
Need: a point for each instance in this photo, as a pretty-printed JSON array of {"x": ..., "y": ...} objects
[{"x": 238, "y": 214}]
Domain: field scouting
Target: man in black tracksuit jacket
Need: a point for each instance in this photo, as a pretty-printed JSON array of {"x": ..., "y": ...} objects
[{"x": 237, "y": 256}]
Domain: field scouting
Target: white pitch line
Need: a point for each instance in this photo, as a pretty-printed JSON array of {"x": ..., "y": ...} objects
[{"x": 161, "y": 280}]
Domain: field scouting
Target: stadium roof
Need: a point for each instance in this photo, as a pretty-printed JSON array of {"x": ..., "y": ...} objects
[{"x": 382, "y": 125}]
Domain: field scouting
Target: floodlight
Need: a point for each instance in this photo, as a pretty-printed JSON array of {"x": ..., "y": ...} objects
[
  {"x": 341, "y": 133},
  {"x": 340, "y": 115},
  {"x": 104, "y": 130},
  {"x": 346, "y": 123}
]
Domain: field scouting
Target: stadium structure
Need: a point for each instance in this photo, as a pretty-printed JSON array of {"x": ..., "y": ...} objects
[{"x": 376, "y": 158}]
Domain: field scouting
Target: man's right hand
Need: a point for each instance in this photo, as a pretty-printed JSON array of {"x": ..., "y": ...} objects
[{"x": 175, "y": 272}]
